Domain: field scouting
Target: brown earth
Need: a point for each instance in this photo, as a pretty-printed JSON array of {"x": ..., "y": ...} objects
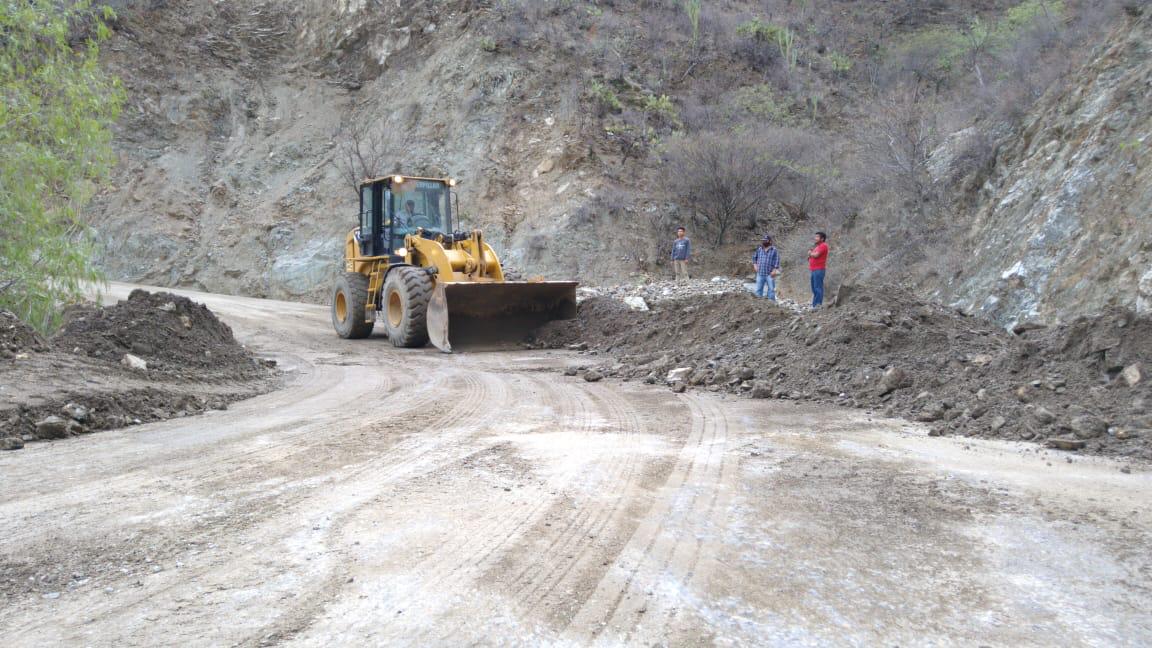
[
  {"x": 192, "y": 364},
  {"x": 17, "y": 337},
  {"x": 881, "y": 348}
]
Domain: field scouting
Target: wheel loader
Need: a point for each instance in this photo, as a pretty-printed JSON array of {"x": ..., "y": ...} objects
[{"x": 408, "y": 269}]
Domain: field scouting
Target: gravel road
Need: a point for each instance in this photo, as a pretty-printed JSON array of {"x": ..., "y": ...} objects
[{"x": 390, "y": 497}]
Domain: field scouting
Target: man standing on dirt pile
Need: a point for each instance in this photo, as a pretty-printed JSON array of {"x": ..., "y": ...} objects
[
  {"x": 681, "y": 252},
  {"x": 817, "y": 264},
  {"x": 766, "y": 260}
]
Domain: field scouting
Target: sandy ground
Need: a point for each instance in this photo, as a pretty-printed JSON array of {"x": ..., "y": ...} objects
[{"x": 407, "y": 497}]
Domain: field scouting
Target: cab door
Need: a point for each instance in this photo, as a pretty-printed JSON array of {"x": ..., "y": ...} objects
[{"x": 369, "y": 220}]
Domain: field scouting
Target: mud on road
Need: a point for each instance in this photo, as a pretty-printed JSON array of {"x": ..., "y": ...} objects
[{"x": 391, "y": 497}]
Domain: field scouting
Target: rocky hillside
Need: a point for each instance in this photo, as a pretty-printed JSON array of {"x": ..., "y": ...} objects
[
  {"x": 1065, "y": 224},
  {"x": 571, "y": 126}
]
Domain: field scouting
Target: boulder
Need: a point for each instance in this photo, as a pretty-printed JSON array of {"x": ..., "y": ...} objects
[
  {"x": 571, "y": 371},
  {"x": 998, "y": 423},
  {"x": 679, "y": 374},
  {"x": 11, "y": 443},
  {"x": 746, "y": 373},
  {"x": 761, "y": 389},
  {"x": 679, "y": 387},
  {"x": 53, "y": 427},
  {"x": 1132, "y": 375},
  {"x": 593, "y": 375}
]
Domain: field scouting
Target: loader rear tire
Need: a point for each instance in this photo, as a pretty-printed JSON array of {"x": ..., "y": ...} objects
[
  {"x": 349, "y": 301},
  {"x": 407, "y": 291}
]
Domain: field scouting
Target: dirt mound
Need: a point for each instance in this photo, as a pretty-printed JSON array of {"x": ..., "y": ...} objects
[
  {"x": 172, "y": 334},
  {"x": 151, "y": 357},
  {"x": 1077, "y": 386},
  {"x": 17, "y": 337}
]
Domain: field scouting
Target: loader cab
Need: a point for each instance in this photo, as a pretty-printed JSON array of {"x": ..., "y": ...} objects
[{"x": 394, "y": 207}]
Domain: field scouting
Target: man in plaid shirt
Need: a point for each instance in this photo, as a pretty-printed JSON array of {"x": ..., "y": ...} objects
[{"x": 766, "y": 260}]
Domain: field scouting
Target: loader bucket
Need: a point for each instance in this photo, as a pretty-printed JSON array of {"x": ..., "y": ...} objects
[{"x": 490, "y": 315}]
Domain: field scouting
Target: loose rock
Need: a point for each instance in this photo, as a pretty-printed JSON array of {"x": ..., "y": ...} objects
[
  {"x": 133, "y": 362},
  {"x": 1089, "y": 427},
  {"x": 75, "y": 412},
  {"x": 1043, "y": 415},
  {"x": 761, "y": 389},
  {"x": 894, "y": 378},
  {"x": 1065, "y": 443}
]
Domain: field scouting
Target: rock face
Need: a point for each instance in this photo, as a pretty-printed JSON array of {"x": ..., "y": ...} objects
[{"x": 1066, "y": 218}]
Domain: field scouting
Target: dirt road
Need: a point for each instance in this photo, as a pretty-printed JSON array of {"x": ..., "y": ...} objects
[{"x": 408, "y": 497}]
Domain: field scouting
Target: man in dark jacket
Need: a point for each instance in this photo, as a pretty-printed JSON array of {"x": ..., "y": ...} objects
[
  {"x": 766, "y": 260},
  {"x": 681, "y": 253}
]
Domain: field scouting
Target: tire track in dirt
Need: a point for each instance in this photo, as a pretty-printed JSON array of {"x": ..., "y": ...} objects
[
  {"x": 570, "y": 546},
  {"x": 456, "y": 562},
  {"x": 665, "y": 551},
  {"x": 221, "y": 473},
  {"x": 402, "y": 462},
  {"x": 572, "y": 408}
]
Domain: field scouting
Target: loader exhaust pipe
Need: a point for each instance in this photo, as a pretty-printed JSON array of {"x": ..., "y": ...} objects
[{"x": 467, "y": 315}]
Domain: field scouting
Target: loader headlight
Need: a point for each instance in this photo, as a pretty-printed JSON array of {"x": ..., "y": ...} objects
[
  {"x": 401, "y": 252},
  {"x": 398, "y": 179},
  {"x": 451, "y": 182}
]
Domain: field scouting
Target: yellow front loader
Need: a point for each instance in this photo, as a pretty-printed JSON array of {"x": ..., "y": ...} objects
[{"x": 428, "y": 282}]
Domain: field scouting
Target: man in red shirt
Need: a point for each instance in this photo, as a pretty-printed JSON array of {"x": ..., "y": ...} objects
[{"x": 817, "y": 264}]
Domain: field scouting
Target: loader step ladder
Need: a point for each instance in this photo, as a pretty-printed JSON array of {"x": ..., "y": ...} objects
[{"x": 375, "y": 283}]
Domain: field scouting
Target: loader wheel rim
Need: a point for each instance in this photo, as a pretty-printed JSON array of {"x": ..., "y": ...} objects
[
  {"x": 341, "y": 307},
  {"x": 395, "y": 308}
]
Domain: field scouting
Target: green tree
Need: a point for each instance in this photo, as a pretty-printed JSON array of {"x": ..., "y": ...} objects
[{"x": 55, "y": 146}]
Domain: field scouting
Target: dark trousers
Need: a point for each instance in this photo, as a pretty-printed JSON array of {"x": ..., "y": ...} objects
[{"x": 817, "y": 287}]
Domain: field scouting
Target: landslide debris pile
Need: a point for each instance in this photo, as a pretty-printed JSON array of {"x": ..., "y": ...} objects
[
  {"x": 172, "y": 334},
  {"x": 1077, "y": 386},
  {"x": 151, "y": 357},
  {"x": 16, "y": 337}
]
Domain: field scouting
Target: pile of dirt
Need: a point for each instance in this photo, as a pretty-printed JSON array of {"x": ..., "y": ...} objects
[
  {"x": 172, "y": 334},
  {"x": 17, "y": 337},
  {"x": 1078, "y": 386},
  {"x": 151, "y": 357}
]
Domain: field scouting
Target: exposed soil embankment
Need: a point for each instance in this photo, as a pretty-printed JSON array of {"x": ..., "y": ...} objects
[
  {"x": 1079, "y": 386},
  {"x": 150, "y": 357}
]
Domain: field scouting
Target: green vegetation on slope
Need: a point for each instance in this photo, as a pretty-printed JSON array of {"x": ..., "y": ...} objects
[{"x": 55, "y": 136}]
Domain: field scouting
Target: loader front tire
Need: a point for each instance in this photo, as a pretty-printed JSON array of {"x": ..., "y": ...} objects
[
  {"x": 349, "y": 301},
  {"x": 405, "y": 306}
]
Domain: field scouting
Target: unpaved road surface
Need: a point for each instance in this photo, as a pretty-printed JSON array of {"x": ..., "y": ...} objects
[{"x": 393, "y": 497}]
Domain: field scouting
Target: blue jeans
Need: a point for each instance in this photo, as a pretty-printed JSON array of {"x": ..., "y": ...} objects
[
  {"x": 817, "y": 287},
  {"x": 766, "y": 282}
]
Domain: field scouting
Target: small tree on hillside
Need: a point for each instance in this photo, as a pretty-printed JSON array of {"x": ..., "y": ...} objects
[
  {"x": 900, "y": 143},
  {"x": 55, "y": 134},
  {"x": 363, "y": 151},
  {"x": 725, "y": 181}
]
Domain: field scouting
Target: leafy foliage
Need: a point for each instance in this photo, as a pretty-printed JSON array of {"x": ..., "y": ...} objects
[{"x": 55, "y": 121}]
